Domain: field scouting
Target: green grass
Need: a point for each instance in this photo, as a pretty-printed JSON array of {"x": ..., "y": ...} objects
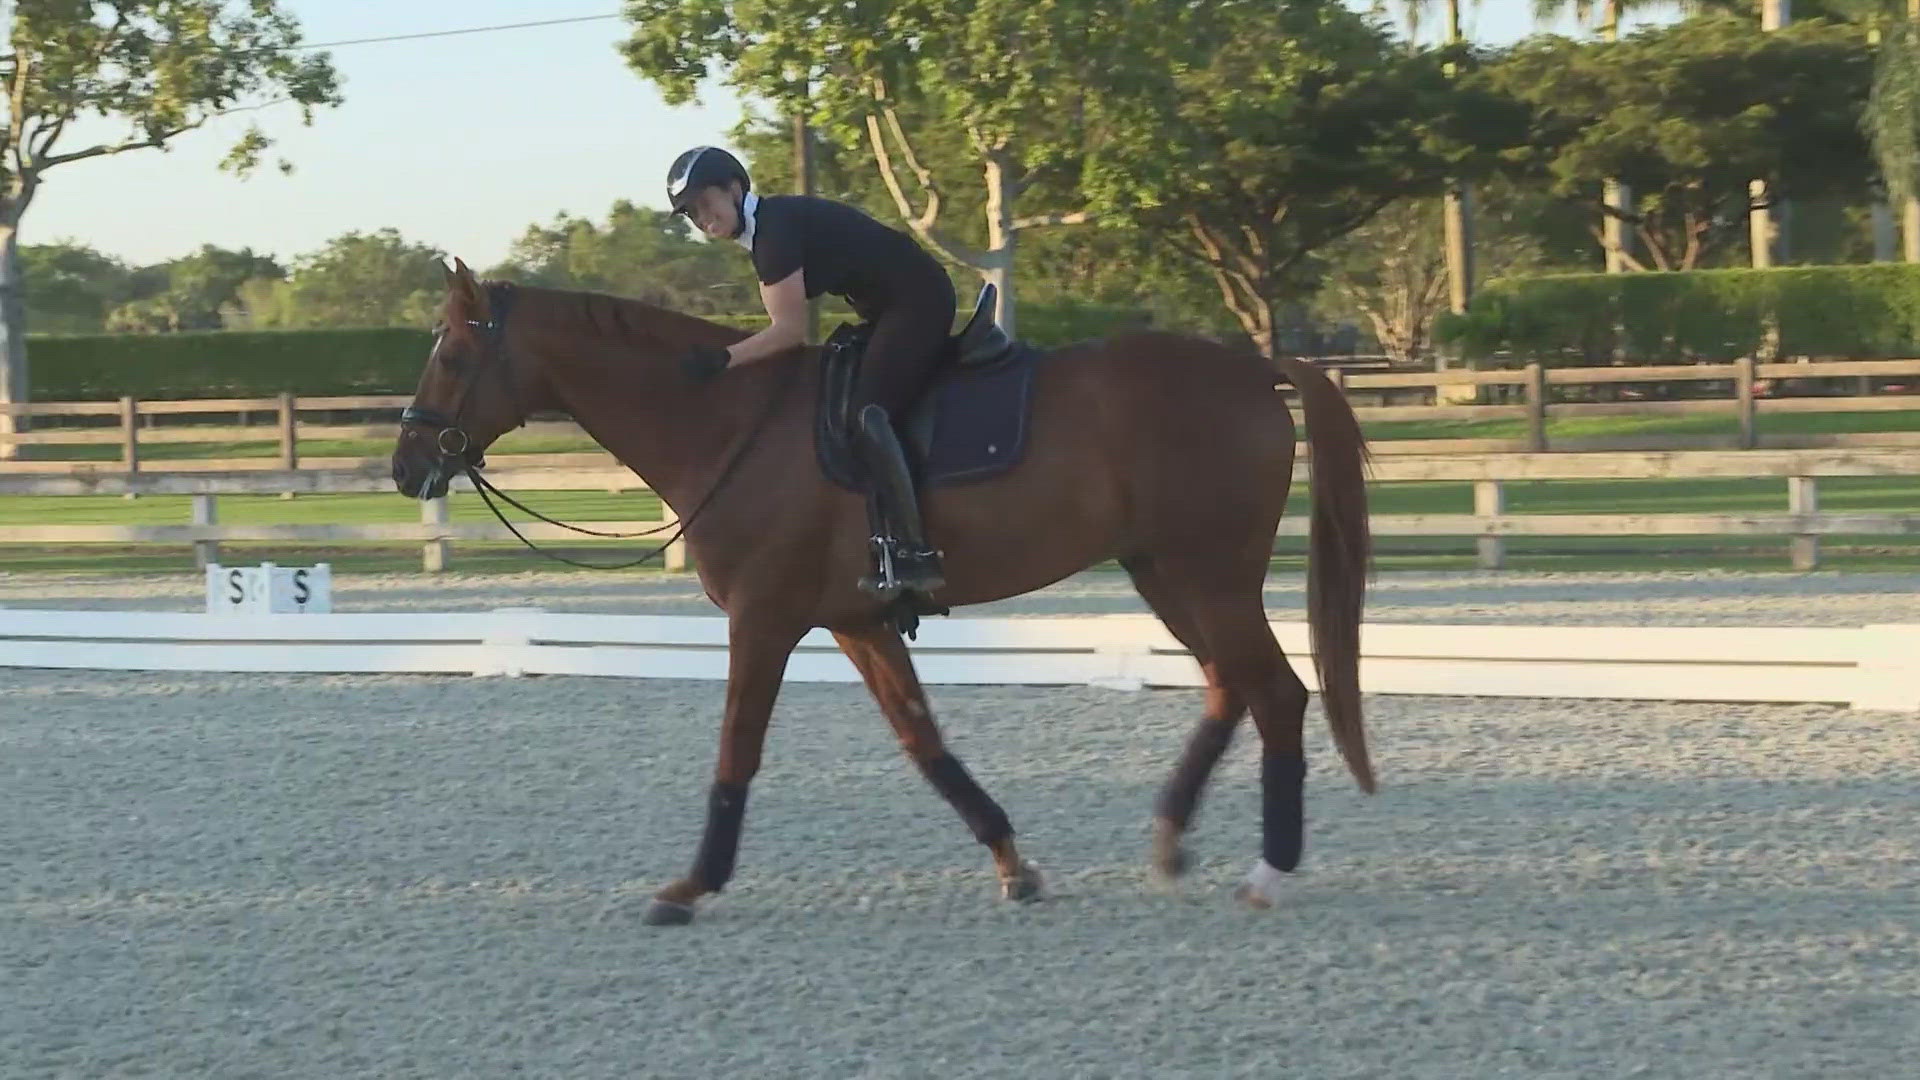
[
  {"x": 175, "y": 559},
  {"x": 1581, "y": 427},
  {"x": 572, "y": 506},
  {"x": 1864, "y": 494},
  {"x": 1857, "y": 493},
  {"x": 1594, "y": 427},
  {"x": 1893, "y": 494},
  {"x": 516, "y": 443}
]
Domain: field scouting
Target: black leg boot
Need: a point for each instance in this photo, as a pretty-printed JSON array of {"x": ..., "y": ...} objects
[{"x": 916, "y": 566}]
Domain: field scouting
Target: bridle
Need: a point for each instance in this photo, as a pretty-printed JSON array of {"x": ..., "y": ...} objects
[
  {"x": 449, "y": 431},
  {"x": 499, "y": 297}
]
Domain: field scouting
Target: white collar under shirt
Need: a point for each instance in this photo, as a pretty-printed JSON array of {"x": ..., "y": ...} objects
[{"x": 748, "y": 208}]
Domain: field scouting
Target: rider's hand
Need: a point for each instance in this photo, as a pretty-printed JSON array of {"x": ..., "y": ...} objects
[{"x": 703, "y": 362}]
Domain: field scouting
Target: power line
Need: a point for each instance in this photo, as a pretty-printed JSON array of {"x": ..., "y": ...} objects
[{"x": 452, "y": 33}]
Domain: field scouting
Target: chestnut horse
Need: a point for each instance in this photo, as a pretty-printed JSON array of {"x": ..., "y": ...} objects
[{"x": 1167, "y": 453}]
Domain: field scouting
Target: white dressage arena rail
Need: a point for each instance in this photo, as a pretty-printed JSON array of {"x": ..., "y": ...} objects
[{"x": 1867, "y": 667}]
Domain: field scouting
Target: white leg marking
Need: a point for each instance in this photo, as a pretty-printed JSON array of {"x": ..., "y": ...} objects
[{"x": 1264, "y": 885}]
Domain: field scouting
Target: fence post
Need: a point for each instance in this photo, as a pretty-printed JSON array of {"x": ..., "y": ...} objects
[
  {"x": 1490, "y": 500},
  {"x": 1803, "y": 498},
  {"x": 1536, "y": 407},
  {"x": 289, "y": 436},
  {"x": 434, "y": 557},
  {"x": 675, "y": 558},
  {"x": 1743, "y": 399},
  {"x": 205, "y": 512},
  {"x": 130, "y": 435}
]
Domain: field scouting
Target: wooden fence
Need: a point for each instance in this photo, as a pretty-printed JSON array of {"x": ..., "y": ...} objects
[
  {"x": 1801, "y": 522},
  {"x": 133, "y": 425}
]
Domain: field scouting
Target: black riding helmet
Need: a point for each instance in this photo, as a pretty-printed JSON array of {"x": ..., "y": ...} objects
[{"x": 703, "y": 166}]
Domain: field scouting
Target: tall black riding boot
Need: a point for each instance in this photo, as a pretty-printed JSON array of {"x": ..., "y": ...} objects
[{"x": 916, "y": 566}]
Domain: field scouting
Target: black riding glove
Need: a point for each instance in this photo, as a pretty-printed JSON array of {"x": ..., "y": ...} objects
[{"x": 703, "y": 362}]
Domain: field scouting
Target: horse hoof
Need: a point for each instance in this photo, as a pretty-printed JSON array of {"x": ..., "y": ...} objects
[
  {"x": 1262, "y": 888},
  {"x": 668, "y": 913},
  {"x": 1170, "y": 864},
  {"x": 1025, "y": 888},
  {"x": 1169, "y": 858}
]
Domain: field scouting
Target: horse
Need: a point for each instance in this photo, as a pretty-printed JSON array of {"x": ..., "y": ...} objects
[{"x": 1167, "y": 453}]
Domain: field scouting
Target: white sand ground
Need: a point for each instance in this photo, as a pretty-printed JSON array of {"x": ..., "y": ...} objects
[{"x": 301, "y": 876}]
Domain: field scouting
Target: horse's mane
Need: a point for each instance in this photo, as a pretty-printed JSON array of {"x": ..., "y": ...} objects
[{"x": 625, "y": 319}]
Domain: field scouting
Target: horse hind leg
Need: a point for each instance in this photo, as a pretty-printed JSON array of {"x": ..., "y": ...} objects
[
  {"x": 1179, "y": 796},
  {"x": 1251, "y": 662},
  {"x": 1230, "y": 621}
]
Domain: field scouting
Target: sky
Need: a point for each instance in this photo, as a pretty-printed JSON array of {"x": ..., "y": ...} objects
[{"x": 458, "y": 142}]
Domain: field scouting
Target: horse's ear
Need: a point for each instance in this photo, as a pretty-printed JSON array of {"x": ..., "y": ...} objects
[{"x": 465, "y": 300}]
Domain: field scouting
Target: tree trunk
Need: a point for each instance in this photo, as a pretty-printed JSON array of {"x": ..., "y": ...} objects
[
  {"x": 1002, "y": 240},
  {"x": 13, "y": 336},
  {"x": 1263, "y": 328},
  {"x": 1763, "y": 228},
  {"x": 1886, "y": 241},
  {"x": 1910, "y": 230},
  {"x": 1616, "y": 236}
]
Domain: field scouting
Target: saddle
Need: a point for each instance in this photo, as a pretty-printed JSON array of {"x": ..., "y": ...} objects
[{"x": 969, "y": 425}]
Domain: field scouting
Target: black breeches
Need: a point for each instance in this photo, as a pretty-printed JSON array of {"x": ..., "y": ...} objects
[{"x": 908, "y": 339}]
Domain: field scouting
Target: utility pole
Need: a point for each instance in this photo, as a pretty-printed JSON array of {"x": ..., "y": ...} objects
[
  {"x": 1910, "y": 207},
  {"x": 1615, "y": 235},
  {"x": 1766, "y": 236},
  {"x": 14, "y": 386},
  {"x": 1457, "y": 218},
  {"x": 803, "y": 184}
]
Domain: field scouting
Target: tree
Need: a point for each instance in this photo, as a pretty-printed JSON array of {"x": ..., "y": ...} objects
[
  {"x": 200, "y": 290},
  {"x": 1008, "y": 81},
  {"x": 1274, "y": 131},
  {"x": 1456, "y": 204},
  {"x": 650, "y": 254},
  {"x": 1892, "y": 117},
  {"x": 70, "y": 287},
  {"x": 357, "y": 279},
  {"x": 1391, "y": 273},
  {"x": 160, "y": 67},
  {"x": 1115, "y": 266},
  {"x": 1686, "y": 116}
]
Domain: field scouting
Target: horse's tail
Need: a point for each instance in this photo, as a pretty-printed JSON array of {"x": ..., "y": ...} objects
[{"x": 1340, "y": 556}]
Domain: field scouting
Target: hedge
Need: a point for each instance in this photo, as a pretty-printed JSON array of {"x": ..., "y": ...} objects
[
  {"x": 1856, "y": 312},
  {"x": 226, "y": 364},
  {"x": 339, "y": 362}
]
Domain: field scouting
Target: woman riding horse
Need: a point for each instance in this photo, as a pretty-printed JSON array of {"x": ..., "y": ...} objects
[{"x": 803, "y": 246}]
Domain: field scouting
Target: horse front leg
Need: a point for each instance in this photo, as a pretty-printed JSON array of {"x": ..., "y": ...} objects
[
  {"x": 756, "y": 664},
  {"x": 887, "y": 668}
]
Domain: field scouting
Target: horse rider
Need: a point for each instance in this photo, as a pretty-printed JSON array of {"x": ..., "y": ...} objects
[{"x": 803, "y": 246}]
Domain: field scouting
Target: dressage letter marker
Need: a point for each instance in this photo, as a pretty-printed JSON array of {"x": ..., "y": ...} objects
[{"x": 269, "y": 590}]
